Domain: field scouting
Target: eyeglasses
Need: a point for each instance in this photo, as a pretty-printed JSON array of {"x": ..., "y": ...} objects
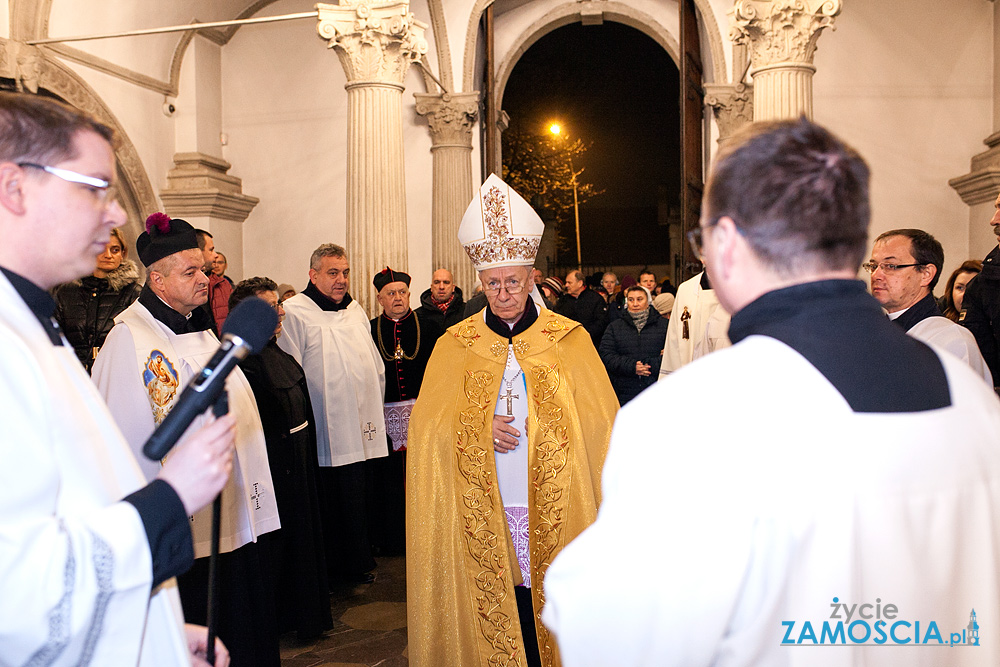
[
  {"x": 696, "y": 238},
  {"x": 512, "y": 287},
  {"x": 103, "y": 190},
  {"x": 888, "y": 268}
]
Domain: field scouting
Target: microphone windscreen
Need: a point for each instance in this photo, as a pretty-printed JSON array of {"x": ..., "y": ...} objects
[{"x": 254, "y": 321}]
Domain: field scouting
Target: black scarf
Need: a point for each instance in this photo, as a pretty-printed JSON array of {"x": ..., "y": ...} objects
[
  {"x": 200, "y": 320},
  {"x": 921, "y": 310},
  {"x": 841, "y": 330},
  {"x": 504, "y": 330},
  {"x": 325, "y": 302}
]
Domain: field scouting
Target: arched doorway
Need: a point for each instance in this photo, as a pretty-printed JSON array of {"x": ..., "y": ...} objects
[{"x": 615, "y": 90}]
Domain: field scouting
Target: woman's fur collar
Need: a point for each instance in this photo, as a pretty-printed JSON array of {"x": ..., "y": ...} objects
[{"x": 127, "y": 272}]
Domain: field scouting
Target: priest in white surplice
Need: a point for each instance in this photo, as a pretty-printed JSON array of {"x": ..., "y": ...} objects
[
  {"x": 905, "y": 266},
  {"x": 328, "y": 333},
  {"x": 88, "y": 550},
  {"x": 697, "y": 325},
  {"x": 156, "y": 346},
  {"x": 827, "y": 493}
]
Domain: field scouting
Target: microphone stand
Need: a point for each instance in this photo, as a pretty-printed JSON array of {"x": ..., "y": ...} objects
[{"x": 220, "y": 408}]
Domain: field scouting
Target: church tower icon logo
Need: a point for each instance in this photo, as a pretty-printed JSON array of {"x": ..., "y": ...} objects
[{"x": 973, "y": 630}]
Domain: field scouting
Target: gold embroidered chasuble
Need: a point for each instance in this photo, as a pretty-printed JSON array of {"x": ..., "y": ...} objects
[{"x": 461, "y": 566}]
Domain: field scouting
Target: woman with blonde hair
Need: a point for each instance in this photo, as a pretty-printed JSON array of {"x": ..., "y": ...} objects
[{"x": 86, "y": 308}]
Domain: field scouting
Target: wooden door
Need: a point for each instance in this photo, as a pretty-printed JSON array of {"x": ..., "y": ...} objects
[{"x": 692, "y": 107}]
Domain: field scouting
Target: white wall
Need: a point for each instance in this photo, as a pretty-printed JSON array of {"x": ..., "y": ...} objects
[
  {"x": 909, "y": 84},
  {"x": 140, "y": 113},
  {"x": 285, "y": 115}
]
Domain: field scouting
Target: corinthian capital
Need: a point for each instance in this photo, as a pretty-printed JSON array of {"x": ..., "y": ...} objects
[
  {"x": 450, "y": 116},
  {"x": 781, "y": 31},
  {"x": 733, "y": 106},
  {"x": 376, "y": 42}
]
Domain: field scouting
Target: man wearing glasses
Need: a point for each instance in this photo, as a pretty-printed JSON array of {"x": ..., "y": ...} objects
[
  {"x": 905, "y": 266},
  {"x": 506, "y": 444},
  {"x": 88, "y": 550},
  {"x": 825, "y": 465}
]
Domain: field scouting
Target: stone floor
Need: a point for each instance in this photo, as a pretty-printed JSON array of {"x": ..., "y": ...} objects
[{"x": 369, "y": 625}]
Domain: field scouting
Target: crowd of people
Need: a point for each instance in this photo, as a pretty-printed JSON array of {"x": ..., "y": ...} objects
[{"x": 482, "y": 438}]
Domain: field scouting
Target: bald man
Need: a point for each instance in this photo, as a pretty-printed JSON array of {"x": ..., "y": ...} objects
[{"x": 442, "y": 303}]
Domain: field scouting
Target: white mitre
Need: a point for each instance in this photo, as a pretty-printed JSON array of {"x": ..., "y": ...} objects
[{"x": 499, "y": 228}]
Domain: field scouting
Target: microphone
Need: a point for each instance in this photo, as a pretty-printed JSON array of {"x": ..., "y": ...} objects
[{"x": 246, "y": 331}]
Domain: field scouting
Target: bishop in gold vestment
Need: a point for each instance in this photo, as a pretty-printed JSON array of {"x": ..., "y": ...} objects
[{"x": 462, "y": 568}]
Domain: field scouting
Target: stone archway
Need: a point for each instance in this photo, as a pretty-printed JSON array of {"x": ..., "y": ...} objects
[
  {"x": 614, "y": 90},
  {"x": 610, "y": 10},
  {"x": 567, "y": 14}
]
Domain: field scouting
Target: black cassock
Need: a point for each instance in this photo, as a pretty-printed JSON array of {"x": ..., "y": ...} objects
[
  {"x": 293, "y": 556},
  {"x": 387, "y": 499}
]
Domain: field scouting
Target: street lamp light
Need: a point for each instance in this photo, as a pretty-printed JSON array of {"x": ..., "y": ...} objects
[{"x": 555, "y": 129}]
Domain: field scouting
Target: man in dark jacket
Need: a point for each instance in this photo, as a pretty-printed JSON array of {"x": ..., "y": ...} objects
[
  {"x": 981, "y": 305},
  {"x": 583, "y": 305},
  {"x": 632, "y": 346},
  {"x": 442, "y": 303}
]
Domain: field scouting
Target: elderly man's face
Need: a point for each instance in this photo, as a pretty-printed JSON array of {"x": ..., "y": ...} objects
[
  {"x": 574, "y": 286},
  {"x": 900, "y": 288},
  {"x": 395, "y": 299},
  {"x": 610, "y": 283},
  {"x": 184, "y": 286},
  {"x": 442, "y": 285},
  {"x": 332, "y": 277},
  {"x": 507, "y": 291}
]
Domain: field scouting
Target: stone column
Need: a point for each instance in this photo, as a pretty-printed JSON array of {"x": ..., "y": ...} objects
[
  {"x": 781, "y": 36},
  {"x": 451, "y": 117},
  {"x": 376, "y": 42}
]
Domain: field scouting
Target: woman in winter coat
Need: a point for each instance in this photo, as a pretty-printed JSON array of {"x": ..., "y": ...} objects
[
  {"x": 86, "y": 308},
  {"x": 632, "y": 346}
]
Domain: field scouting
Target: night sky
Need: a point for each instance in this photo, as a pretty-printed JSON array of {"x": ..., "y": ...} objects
[{"x": 617, "y": 89}]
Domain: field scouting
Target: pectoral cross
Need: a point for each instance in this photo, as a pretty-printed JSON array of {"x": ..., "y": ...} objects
[
  {"x": 509, "y": 396},
  {"x": 398, "y": 354},
  {"x": 370, "y": 432},
  {"x": 685, "y": 316}
]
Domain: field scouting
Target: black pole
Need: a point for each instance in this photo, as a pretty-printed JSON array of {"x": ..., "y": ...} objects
[{"x": 220, "y": 408}]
